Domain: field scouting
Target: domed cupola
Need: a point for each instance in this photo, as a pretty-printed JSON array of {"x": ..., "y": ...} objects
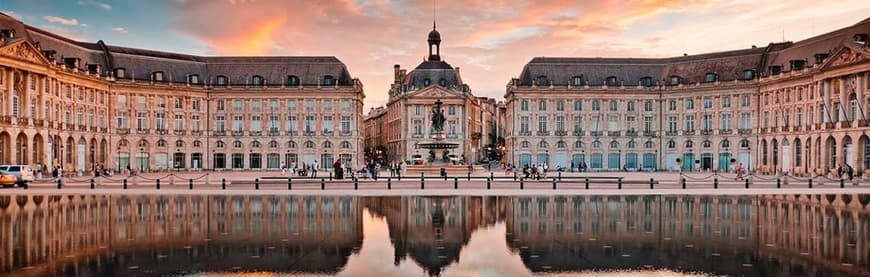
[{"x": 434, "y": 44}]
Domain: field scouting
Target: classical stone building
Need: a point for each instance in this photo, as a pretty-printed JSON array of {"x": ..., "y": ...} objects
[
  {"x": 79, "y": 104},
  {"x": 695, "y": 112},
  {"x": 406, "y": 122}
]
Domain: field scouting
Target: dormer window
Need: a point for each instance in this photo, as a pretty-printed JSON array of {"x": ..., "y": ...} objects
[
  {"x": 542, "y": 80},
  {"x": 711, "y": 77},
  {"x": 577, "y": 81},
  {"x": 193, "y": 79},
  {"x": 820, "y": 57},
  {"x": 611, "y": 81},
  {"x": 426, "y": 82},
  {"x": 292, "y": 80},
  {"x": 775, "y": 69},
  {"x": 442, "y": 82},
  {"x": 94, "y": 68},
  {"x": 257, "y": 81},
  {"x": 797, "y": 64},
  {"x": 120, "y": 73},
  {"x": 748, "y": 74},
  {"x": 674, "y": 80},
  {"x": 221, "y": 81},
  {"x": 157, "y": 76},
  {"x": 328, "y": 80},
  {"x": 646, "y": 81}
]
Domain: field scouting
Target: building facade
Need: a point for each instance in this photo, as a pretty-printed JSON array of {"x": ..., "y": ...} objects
[
  {"x": 78, "y": 105},
  {"x": 407, "y": 118},
  {"x": 698, "y": 112}
]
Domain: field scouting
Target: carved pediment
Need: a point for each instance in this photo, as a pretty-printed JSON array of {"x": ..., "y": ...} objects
[
  {"x": 24, "y": 50},
  {"x": 435, "y": 92},
  {"x": 846, "y": 56}
]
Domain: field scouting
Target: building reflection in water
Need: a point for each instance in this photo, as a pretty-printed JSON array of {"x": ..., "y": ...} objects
[{"x": 817, "y": 235}]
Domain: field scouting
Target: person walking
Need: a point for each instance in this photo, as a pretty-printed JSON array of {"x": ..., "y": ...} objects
[
  {"x": 283, "y": 168},
  {"x": 314, "y": 169},
  {"x": 337, "y": 167}
]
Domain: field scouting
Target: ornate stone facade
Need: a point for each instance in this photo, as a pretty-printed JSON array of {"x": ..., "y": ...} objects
[{"x": 79, "y": 104}]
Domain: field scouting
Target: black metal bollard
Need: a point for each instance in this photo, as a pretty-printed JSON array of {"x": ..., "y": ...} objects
[
  {"x": 58, "y": 183},
  {"x": 488, "y": 183},
  {"x": 684, "y": 183},
  {"x": 842, "y": 183},
  {"x": 560, "y": 175},
  {"x": 778, "y": 183},
  {"x": 619, "y": 183},
  {"x": 521, "y": 183},
  {"x": 515, "y": 176},
  {"x": 587, "y": 182},
  {"x": 716, "y": 183},
  {"x": 125, "y": 183},
  {"x": 256, "y": 183},
  {"x": 810, "y": 183},
  {"x": 455, "y": 183},
  {"x": 469, "y": 176},
  {"x": 322, "y": 184},
  {"x": 224, "y": 183},
  {"x": 651, "y": 183},
  {"x": 290, "y": 183},
  {"x": 389, "y": 184},
  {"x": 158, "y": 183},
  {"x": 746, "y": 181},
  {"x": 330, "y": 175},
  {"x": 92, "y": 183},
  {"x": 422, "y": 183},
  {"x": 190, "y": 183},
  {"x": 355, "y": 184},
  {"x": 554, "y": 183}
]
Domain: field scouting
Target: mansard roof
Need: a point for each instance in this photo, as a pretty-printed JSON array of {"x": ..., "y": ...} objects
[{"x": 827, "y": 43}]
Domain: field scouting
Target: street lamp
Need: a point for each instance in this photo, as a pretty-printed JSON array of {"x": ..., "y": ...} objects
[{"x": 118, "y": 161}]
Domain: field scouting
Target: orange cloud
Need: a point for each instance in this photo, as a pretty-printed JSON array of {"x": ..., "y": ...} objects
[{"x": 256, "y": 42}]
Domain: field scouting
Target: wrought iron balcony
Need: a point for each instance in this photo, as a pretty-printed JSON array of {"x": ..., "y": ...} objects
[
  {"x": 561, "y": 133},
  {"x": 614, "y": 133},
  {"x": 196, "y": 132},
  {"x": 725, "y": 131},
  {"x": 542, "y": 133},
  {"x": 579, "y": 133},
  {"x": 274, "y": 133},
  {"x": 706, "y": 132},
  {"x": 649, "y": 133},
  {"x": 595, "y": 133},
  {"x": 237, "y": 133},
  {"x": 123, "y": 131},
  {"x": 180, "y": 132},
  {"x": 631, "y": 133},
  {"x": 671, "y": 133},
  {"x": 527, "y": 133},
  {"x": 143, "y": 131},
  {"x": 688, "y": 132},
  {"x": 220, "y": 133},
  {"x": 292, "y": 133},
  {"x": 744, "y": 131},
  {"x": 255, "y": 133}
]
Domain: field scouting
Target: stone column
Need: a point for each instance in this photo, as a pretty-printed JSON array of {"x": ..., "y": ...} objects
[
  {"x": 859, "y": 93},
  {"x": 826, "y": 98},
  {"x": 10, "y": 87},
  {"x": 844, "y": 101}
]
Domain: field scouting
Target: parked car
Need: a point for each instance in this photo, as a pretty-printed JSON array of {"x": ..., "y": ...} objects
[
  {"x": 22, "y": 173},
  {"x": 7, "y": 179}
]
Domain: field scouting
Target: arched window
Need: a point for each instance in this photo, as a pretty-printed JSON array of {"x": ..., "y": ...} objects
[
  {"x": 161, "y": 143},
  {"x": 689, "y": 144},
  {"x": 611, "y": 81},
  {"x": 197, "y": 143},
  {"x": 561, "y": 144},
  {"x": 255, "y": 144},
  {"x": 577, "y": 80},
  {"x": 542, "y": 80},
  {"x": 524, "y": 144},
  {"x": 426, "y": 82},
  {"x": 543, "y": 144},
  {"x": 632, "y": 144},
  {"x": 273, "y": 144},
  {"x": 646, "y": 82},
  {"x": 157, "y": 76},
  {"x": 672, "y": 144},
  {"x": 257, "y": 81},
  {"x": 328, "y": 80},
  {"x": 219, "y": 144},
  {"x": 711, "y": 77},
  {"x": 674, "y": 80},
  {"x": 648, "y": 144},
  {"x": 309, "y": 144},
  {"x": 725, "y": 143},
  {"x": 578, "y": 144},
  {"x": 706, "y": 144},
  {"x": 442, "y": 82},
  {"x": 744, "y": 143},
  {"x": 193, "y": 79},
  {"x": 237, "y": 144},
  {"x": 614, "y": 144},
  {"x": 748, "y": 74},
  {"x": 327, "y": 144},
  {"x": 345, "y": 144},
  {"x": 291, "y": 144},
  {"x": 596, "y": 144},
  {"x": 122, "y": 143},
  {"x": 221, "y": 81},
  {"x": 292, "y": 80},
  {"x": 179, "y": 143}
]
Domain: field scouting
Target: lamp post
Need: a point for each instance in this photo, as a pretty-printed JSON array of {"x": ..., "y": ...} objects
[
  {"x": 24, "y": 153},
  {"x": 749, "y": 172},
  {"x": 118, "y": 161}
]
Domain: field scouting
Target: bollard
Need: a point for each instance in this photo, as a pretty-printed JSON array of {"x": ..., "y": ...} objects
[
  {"x": 619, "y": 183},
  {"x": 651, "y": 183},
  {"x": 747, "y": 182},
  {"x": 684, "y": 183},
  {"x": 389, "y": 184},
  {"x": 716, "y": 183},
  {"x": 92, "y": 183},
  {"x": 491, "y": 175},
  {"x": 224, "y": 183},
  {"x": 190, "y": 183},
  {"x": 125, "y": 183},
  {"x": 290, "y": 183},
  {"x": 322, "y": 184},
  {"x": 810, "y": 182},
  {"x": 469, "y": 176},
  {"x": 560, "y": 175},
  {"x": 554, "y": 183},
  {"x": 521, "y": 183},
  {"x": 587, "y": 182},
  {"x": 778, "y": 183},
  {"x": 158, "y": 183},
  {"x": 488, "y": 180},
  {"x": 24, "y": 185},
  {"x": 455, "y": 183},
  {"x": 515, "y": 176},
  {"x": 256, "y": 183},
  {"x": 422, "y": 183},
  {"x": 330, "y": 175},
  {"x": 355, "y": 184},
  {"x": 842, "y": 183},
  {"x": 58, "y": 183}
]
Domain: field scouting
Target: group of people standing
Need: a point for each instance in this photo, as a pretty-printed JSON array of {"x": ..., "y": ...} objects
[
  {"x": 305, "y": 170},
  {"x": 536, "y": 171}
]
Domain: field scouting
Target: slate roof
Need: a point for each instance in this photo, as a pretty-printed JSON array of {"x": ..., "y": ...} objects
[
  {"x": 827, "y": 43},
  {"x": 141, "y": 63}
]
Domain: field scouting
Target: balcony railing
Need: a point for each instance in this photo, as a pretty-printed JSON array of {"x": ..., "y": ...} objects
[
  {"x": 649, "y": 133},
  {"x": 561, "y": 133},
  {"x": 671, "y": 133},
  {"x": 345, "y": 133},
  {"x": 274, "y": 133},
  {"x": 328, "y": 132},
  {"x": 123, "y": 131},
  {"x": 238, "y": 133},
  {"x": 292, "y": 133},
  {"x": 527, "y": 133},
  {"x": 579, "y": 133},
  {"x": 180, "y": 132},
  {"x": 542, "y": 133},
  {"x": 725, "y": 131},
  {"x": 5, "y": 119},
  {"x": 143, "y": 131},
  {"x": 220, "y": 133},
  {"x": 631, "y": 133},
  {"x": 595, "y": 133},
  {"x": 417, "y": 136},
  {"x": 707, "y": 132},
  {"x": 161, "y": 131},
  {"x": 744, "y": 131},
  {"x": 39, "y": 123},
  {"x": 255, "y": 133},
  {"x": 614, "y": 133},
  {"x": 196, "y": 133},
  {"x": 688, "y": 132}
]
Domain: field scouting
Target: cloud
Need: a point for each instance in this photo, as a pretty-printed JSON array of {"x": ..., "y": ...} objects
[
  {"x": 96, "y": 4},
  {"x": 71, "y": 34},
  {"x": 61, "y": 20},
  {"x": 12, "y": 14},
  {"x": 491, "y": 40},
  {"x": 120, "y": 30}
]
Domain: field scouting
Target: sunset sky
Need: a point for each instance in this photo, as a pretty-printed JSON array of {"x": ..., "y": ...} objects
[{"x": 490, "y": 40}]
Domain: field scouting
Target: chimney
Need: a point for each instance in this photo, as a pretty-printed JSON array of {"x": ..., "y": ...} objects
[{"x": 396, "y": 73}]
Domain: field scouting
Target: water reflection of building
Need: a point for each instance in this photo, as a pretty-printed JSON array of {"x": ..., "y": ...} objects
[
  {"x": 796, "y": 235},
  {"x": 88, "y": 235},
  {"x": 431, "y": 230}
]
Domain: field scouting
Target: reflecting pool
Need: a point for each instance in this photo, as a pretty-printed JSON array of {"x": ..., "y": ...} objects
[{"x": 264, "y": 235}]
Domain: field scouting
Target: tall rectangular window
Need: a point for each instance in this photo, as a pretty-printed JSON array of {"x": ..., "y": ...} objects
[
  {"x": 524, "y": 124},
  {"x": 256, "y": 123},
  {"x": 345, "y": 124},
  {"x": 690, "y": 123},
  {"x": 647, "y": 123},
  {"x": 542, "y": 123},
  {"x": 273, "y": 123},
  {"x": 238, "y": 123},
  {"x": 179, "y": 122},
  {"x": 560, "y": 123},
  {"x": 291, "y": 123},
  {"x": 327, "y": 124},
  {"x": 745, "y": 119},
  {"x": 725, "y": 121},
  {"x": 309, "y": 123},
  {"x": 195, "y": 123},
  {"x": 220, "y": 123}
]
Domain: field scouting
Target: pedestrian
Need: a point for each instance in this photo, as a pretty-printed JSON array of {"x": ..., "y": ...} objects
[
  {"x": 283, "y": 168},
  {"x": 314, "y": 169},
  {"x": 850, "y": 172},
  {"x": 337, "y": 167},
  {"x": 293, "y": 168},
  {"x": 526, "y": 171},
  {"x": 541, "y": 171},
  {"x": 739, "y": 171},
  {"x": 404, "y": 169}
]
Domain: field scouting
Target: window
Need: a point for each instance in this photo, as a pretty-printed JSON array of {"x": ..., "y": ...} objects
[
  {"x": 120, "y": 73},
  {"x": 221, "y": 81},
  {"x": 577, "y": 81},
  {"x": 161, "y": 143},
  {"x": 542, "y": 124},
  {"x": 309, "y": 124},
  {"x": 542, "y": 80},
  {"x": 442, "y": 82},
  {"x": 674, "y": 80},
  {"x": 672, "y": 105},
  {"x": 725, "y": 121},
  {"x": 179, "y": 143},
  {"x": 291, "y": 144},
  {"x": 291, "y": 123},
  {"x": 614, "y": 105},
  {"x": 611, "y": 81},
  {"x": 543, "y": 144},
  {"x": 630, "y": 106},
  {"x": 193, "y": 79},
  {"x": 451, "y": 110},
  {"x": 726, "y": 101},
  {"x": 345, "y": 144},
  {"x": 327, "y": 105},
  {"x": 327, "y": 144},
  {"x": 561, "y": 144},
  {"x": 345, "y": 124},
  {"x": 219, "y": 144},
  {"x": 748, "y": 74},
  {"x": 560, "y": 105},
  {"x": 328, "y": 80},
  {"x": 596, "y": 106},
  {"x": 711, "y": 77},
  {"x": 725, "y": 143},
  {"x": 708, "y": 103},
  {"x": 237, "y": 144},
  {"x": 292, "y": 80},
  {"x": 524, "y": 105},
  {"x": 690, "y": 123},
  {"x": 689, "y": 144},
  {"x": 426, "y": 82},
  {"x": 614, "y": 144},
  {"x": 542, "y": 105},
  {"x": 578, "y": 105},
  {"x": 745, "y": 101},
  {"x": 220, "y": 105},
  {"x": 524, "y": 144},
  {"x": 524, "y": 124},
  {"x": 560, "y": 123},
  {"x": 646, "y": 81},
  {"x": 672, "y": 144},
  {"x": 157, "y": 76},
  {"x": 648, "y": 106},
  {"x": 690, "y": 104},
  {"x": 257, "y": 81}
]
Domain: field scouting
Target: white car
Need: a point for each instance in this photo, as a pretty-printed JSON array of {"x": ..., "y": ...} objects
[{"x": 24, "y": 173}]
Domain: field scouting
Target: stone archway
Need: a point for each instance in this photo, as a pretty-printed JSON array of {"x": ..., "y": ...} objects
[
  {"x": 849, "y": 152},
  {"x": 38, "y": 151},
  {"x": 21, "y": 147},
  {"x": 5, "y": 148},
  {"x": 104, "y": 152},
  {"x": 785, "y": 158},
  {"x": 830, "y": 160},
  {"x": 863, "y": 152}
]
